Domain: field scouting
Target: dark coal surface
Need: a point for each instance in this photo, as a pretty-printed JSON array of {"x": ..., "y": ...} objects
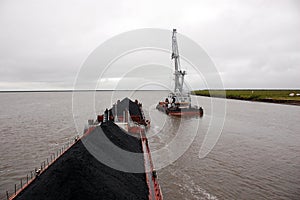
[
  {"x": 120, "y": 138},
  {"x": 78, "y": 175},
  {"x": 126, "y": 104}
]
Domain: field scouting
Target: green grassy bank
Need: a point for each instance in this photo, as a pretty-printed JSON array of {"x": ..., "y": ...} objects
[{"x": 272, "y": 96}]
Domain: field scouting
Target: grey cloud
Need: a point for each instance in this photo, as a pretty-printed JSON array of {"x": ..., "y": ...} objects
[{"x": 253, "y": 43}]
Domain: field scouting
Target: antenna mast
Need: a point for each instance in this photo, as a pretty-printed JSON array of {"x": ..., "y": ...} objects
[{"x": 178, "y": 73}]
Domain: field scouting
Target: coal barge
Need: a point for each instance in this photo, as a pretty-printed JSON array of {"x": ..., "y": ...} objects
[
  {"x": 77, "y": 174},
  {"x": 178, "y": 103}
]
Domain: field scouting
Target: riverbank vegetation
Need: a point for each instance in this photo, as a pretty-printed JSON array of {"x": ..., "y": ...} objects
[{"x": 272, "y": 96}]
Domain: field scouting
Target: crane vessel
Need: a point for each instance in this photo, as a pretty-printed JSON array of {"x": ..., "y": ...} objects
[{"x": 178, "y": 102}]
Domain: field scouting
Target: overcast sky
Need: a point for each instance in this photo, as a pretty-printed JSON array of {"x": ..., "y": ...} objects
[{"x": 254, "y": 43}]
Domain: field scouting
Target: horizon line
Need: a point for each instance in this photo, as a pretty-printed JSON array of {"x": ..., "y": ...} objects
[{"x": 87, "y": 90}]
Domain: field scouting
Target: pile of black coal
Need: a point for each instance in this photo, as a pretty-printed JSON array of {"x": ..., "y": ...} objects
[{"x": 77, "y": 174}]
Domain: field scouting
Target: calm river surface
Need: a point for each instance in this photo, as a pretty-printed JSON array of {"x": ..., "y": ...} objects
[{"x": 256, "y": 157}]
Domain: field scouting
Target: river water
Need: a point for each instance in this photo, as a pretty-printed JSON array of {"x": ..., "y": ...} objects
[{"x": 257, "y": 155}]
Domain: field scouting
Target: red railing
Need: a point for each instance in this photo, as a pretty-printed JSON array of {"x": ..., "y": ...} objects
[{"x": 153, "y": 176}]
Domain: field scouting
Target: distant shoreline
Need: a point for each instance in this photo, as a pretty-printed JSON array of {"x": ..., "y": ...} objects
[
  {"x": 266, "y": 96},
  {"x": 278, "y": 96},
  {"x": 25, "y": 91}
]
